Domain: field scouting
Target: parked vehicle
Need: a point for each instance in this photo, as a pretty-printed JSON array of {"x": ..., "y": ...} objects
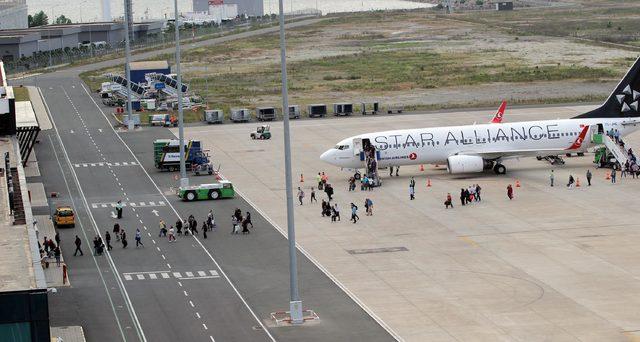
[
  {"x": 342, "y": 109},
  {"x": 166, "y": 154},
  {"x": 240, "y": 115},
  {"x": 266, "y": 113},
  {"x": 213, "y": 116},
  {"x": 317, "y": 110},
  {"x": 294, "y": 112}
]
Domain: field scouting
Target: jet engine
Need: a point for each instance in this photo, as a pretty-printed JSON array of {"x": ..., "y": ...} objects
[{"x": 465, "y": 164}]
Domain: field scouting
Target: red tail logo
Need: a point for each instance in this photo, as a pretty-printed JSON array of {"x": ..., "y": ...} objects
[
  {"x": 578, "y": 143},
  {"x": 498, "y": 117}
]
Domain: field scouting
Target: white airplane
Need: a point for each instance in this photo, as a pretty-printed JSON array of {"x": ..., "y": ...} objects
[{"x": 474, "y": 148}]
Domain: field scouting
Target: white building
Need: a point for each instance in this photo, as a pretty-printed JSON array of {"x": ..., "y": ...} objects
[{"x": 13, "y": 14}]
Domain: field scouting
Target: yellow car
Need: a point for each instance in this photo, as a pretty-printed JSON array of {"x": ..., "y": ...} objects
[{"x": 64, "y": 216}]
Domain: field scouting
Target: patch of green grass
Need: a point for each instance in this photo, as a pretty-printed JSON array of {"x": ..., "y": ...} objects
[{"x": 21, "y": 94}]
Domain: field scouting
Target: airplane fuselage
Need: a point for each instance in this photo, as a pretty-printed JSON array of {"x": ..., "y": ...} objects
[{"x": 491, "y": 141}]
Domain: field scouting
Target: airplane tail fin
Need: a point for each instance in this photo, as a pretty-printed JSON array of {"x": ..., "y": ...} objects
[
  {"x": 623, "y": 102},
  {"x": 500, "y": 113}
]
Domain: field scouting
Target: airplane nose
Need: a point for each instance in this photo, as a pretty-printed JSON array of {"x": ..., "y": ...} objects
[{"x": 326, "y": 157}]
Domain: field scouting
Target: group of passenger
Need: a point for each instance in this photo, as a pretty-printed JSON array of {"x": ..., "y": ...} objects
[
  {"x": 50, "y": 249},
  {"x": 238, "y": 220}
]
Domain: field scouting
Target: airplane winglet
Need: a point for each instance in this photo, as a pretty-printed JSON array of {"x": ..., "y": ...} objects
[
  {"x": 578, "y": 143},
  {"x": 498, "y": 117}
]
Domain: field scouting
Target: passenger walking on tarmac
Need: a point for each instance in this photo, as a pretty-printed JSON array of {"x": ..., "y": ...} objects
[
  {"x": 56, "y": 253},
  {"x": 325, "y": 179},
  {"x": 448, "y": 202},
  {"x": 248, "y": 219},
  {"x": 478, "y": 189},
  {"x": 116, "y": 231},
  {"x": 193, "y": 226},
  {"x": 107, "y": 237},
  {"x": 412, "y": 183},
  {"x": 368, "y": 205},
  {"x": 463, "y": 197},
  {"x": 589, "y": 175},
  {"x": 234, "y": 222},
  {"x": 370, "y": 183},
  {"x": 300, "y": 195},
  {"x": 123, "y": 239},
  {"x": 613, "y": 175},
  {"x": 329, "y": 190},
  {"x": 510, "y": 192},
  {"x": 57, "y": 237},
  {"x": 163, "y": 229},
  {"x": 95, "y": 245},
  {"x": 138, "y": 238},
  {"x": 335, "y": 212},
  {"x": 571, "y": 181},
  {"x": 397, "y": 171},
  {"x": 172, "y": 236},
  {"x": 78, "y": 242},
  {"x": 354, "y": 213},
  {"x": 319, "y": 180},
  {"x": 313, "y": 196},
  {"x": 119, "y": 209},
  {"x": 205, "y": 227},
  {"x": 245, "y": 226},
  {"x": 412, "y": 193},
  {"x": 324, "y": 208},
  {"x": 179, "y": 227},
  {"x": 364, "y": 181},
  {"x": 551, "y": 177}
]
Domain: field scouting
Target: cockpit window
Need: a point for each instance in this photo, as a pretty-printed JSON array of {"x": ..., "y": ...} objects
[{"x": 342, "y": 147}]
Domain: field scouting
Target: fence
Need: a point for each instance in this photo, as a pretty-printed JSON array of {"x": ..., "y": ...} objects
[{"x": 44, "y": 59}]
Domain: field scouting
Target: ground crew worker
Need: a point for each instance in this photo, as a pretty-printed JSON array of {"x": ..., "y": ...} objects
[
  {"x": 313, "y": 196},
  {"x": 107, "y": 237},
  {"x": 551, "y": 178},
  {"x": 138, "y": 238},
  {"x": 119, "y": 209},
  {"x": 589, "y": 175},
  {"x": 300, "y": 195},
  {"x": 448, "y": 201},
  {"x": 613, "y": 175},
  {"x": 510, "y": 192},
  {"x": 354, "y": 213}
]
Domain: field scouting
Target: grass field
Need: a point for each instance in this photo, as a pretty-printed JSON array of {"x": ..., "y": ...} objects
[{"x": 404, "y": 56}]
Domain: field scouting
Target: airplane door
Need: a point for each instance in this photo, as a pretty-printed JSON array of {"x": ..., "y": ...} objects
[{"x": 357, "y": 146}]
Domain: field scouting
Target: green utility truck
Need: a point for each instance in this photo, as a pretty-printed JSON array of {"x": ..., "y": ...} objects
[{"x": 222, "y": 189}]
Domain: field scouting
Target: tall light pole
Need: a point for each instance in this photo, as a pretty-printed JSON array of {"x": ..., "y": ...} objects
[
  {"x": 184, "y": 181},
  {"x": 127, "y": 68},
  {"x": 295, "y": 304}
]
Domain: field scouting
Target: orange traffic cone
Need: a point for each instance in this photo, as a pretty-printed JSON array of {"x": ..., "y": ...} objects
[
  {"x": 608, "y": 175},
  {"x": 517, "y": 183},
  {"x": 428, "y": 182},
  {"x": 421, "y": 167},
  {"x": 577, "y": 182},
  {"x": 301, "y": 178}
]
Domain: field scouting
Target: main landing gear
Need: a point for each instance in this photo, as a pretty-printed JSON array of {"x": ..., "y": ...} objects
[
  {"x": 499, "y": 169},
  {"x": 553, "y": 160}
]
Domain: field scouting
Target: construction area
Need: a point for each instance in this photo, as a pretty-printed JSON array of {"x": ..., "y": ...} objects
[{"x": 485, "y": 271}]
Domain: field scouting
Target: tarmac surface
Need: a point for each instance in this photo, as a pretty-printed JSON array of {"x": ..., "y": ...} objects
[
  {"x": 222, "y": 288},
  {"x": 554, "y": 264}
]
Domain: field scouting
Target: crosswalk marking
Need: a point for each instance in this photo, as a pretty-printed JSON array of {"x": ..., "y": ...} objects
[
  {"x": 131, "y": 204},
  {"x": 103, "y": 164},
  {"x": 167, "y": 275}
]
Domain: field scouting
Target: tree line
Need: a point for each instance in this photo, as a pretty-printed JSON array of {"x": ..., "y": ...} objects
[{"x": 41, "y": 19}]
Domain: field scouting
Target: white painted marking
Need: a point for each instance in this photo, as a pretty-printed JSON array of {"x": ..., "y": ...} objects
[
  {"x": 152, "y": 203},
  {"x": 158, "y": 248},
  {"x": 163, "y": 258},
  {"x": 140, "y": 276},
  {"x": 205, "y": 326},
  {"x": 125, "y": 163},
  {"x": 113, "y": 205},
  {"x": 100, "y": 129},
  {"x": 71, "y": 131},
  {"x": 104, "y": 205},
  {"x": 201, "y": 273},
  {"x": 189, "y": 274},
  {"x": 149, "y": 234},
  {"x": 116, "y": 164},
  {"x": 198, "y": 315},
  {"x": 140, "y": 221},
  {"x": 191, "y": 303},
  {"x": 142, "y": 204},
  {"x": 153, "y": 276},
  {"x": 180, "y": 284},
  {"x": 76, "y": 165},
  {"x": 211, "y": 337},
  {"x": 161, "y": 203},
  {"x": 154, "y": 241},
  {"x": 165, "y": 275},
  {"x": 185, "y": 293},
  {"x": 155, "y": 212},
  {"x": 214, "y": 273},
  {"x": 85, "y": 165},
  {"x": 169, "y": 266},
  {"x": 177, "y": 274},
  {"x": 133, "y": 204},
  {"x": 95, "y": 206},
  {"x": 127, "y": 277}
]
